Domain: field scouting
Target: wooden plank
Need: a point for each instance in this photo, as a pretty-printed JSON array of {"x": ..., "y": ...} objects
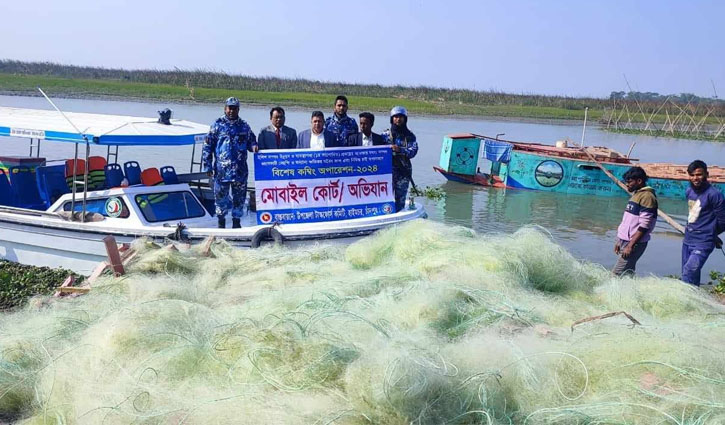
[
  {"x": 114, "y": 258},
  {"x": 98, "y": 271},
  {"x": 206, "y": 247},
  {"x": 127, "y": 258},
  {"x": 75, "y": 290},
  {"x": 69, "y": 281}
]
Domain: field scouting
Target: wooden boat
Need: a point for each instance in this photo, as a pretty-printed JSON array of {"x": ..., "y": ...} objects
[
  {"x": 562, "y": 168},
  {"x": 42, "y": 222}
]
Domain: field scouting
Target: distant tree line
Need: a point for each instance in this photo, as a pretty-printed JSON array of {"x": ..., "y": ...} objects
[
  {"x": 683, "y": 98},
  {"x": 222, "y": 80}
]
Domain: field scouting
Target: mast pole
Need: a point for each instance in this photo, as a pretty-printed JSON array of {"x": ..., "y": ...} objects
[{"x": 581, "y": 145}]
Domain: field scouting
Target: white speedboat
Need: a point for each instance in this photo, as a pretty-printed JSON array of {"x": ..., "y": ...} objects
[{"x": 47, "y": 218}]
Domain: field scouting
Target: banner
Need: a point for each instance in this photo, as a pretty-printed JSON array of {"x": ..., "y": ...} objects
[{"x": 305, "y": 186}]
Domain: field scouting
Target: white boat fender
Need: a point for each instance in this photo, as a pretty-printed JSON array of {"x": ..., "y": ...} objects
[{"x": 267, "y": 234}]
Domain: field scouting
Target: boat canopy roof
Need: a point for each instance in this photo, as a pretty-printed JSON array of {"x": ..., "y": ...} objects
[{"x": 100, "y": 129}]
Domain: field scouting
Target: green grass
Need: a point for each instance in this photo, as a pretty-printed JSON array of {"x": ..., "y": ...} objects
[
  {"x": 72, "y": 87},
  {"x": 206, "y": 87}
]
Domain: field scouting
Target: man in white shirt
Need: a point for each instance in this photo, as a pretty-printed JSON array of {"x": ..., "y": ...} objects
[
  {"x": 365, "y": 137},
  {"x": 316, "y": 137}
]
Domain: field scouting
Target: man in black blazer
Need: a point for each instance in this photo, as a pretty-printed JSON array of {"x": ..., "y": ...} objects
[
  {"x": 277, "y": 135},
  {"x": 365, "y": 137},
  {"x": 316, "y": 137}
]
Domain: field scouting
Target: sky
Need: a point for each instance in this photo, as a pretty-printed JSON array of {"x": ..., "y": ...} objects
[{"x": 570, "y": 48}]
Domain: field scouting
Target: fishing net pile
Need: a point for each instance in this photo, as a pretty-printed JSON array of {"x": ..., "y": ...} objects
[{"x": 421, "y": 324}]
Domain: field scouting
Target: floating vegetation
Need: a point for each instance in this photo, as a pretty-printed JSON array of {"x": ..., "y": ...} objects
[
  {"x": 434, "y": 193},
  {"x": 18, "y": 282},
  {"x": 421, "y": 323}
]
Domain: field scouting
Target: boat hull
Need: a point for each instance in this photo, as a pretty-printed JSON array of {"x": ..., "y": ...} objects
[
  {"x": 547, "y": 173},
  {"x": 477, "y": 179},
  {"x": 553, "y": 174},
  {"x": 45, "y": 241}
]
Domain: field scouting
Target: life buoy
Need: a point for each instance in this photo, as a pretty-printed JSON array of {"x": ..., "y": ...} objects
[{"x": 267, "y": 234}]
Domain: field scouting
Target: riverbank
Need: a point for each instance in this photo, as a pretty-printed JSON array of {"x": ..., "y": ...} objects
[
  {"x": 26, "y": 85},
  {"x": 211, "y": 86}
]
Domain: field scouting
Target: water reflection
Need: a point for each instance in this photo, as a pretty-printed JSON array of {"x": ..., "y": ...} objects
[{"x": 586, "y": 226}]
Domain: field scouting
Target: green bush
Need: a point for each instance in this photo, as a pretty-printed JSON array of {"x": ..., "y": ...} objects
[{"x": 718, "y": 279}]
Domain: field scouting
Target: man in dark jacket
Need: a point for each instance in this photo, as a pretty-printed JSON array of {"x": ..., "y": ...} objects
[
  {"x": 316, "y": 137},
  {"x": 277, "y": 135},
  {"x": 638, "y": 221},
  {"x": 365, "y": 137},
  {"x": 339, "y": 123},
  {"x": 405, "y": 147},
  {"x": 705, "y": 221}
]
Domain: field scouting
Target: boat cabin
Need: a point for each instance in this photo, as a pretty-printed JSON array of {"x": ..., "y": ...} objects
[
  {"x": 87, "y": 184},
  {"x": 136, "y": 206}
]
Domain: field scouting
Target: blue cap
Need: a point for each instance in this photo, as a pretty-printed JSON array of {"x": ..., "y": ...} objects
[
  {"x": 398, "y": 110},
  {"x": 233, "y": 101}
]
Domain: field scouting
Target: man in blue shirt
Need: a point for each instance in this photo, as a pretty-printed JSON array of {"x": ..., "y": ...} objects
[
  {"x": 705, "y": 221},
  {"x": 224, "y": 156},
  {"x": 339, "y": 123}
]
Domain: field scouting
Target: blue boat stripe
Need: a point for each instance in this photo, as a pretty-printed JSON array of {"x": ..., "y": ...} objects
[{"x": 127, "y": 140}]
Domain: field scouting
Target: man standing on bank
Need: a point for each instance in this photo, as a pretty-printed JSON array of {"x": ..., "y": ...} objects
[
  {"x": 339, "y": 123},
  {"x": 277, "y": 135},
  {"x": 316, "y": 137},
  {"x": 705, "y": 221},
  {"x": 404, "y": 148},
  {"x": 365, "y": 137},
  {"x": 638, "y": 222},
  {"x": 224, "y": 156}
]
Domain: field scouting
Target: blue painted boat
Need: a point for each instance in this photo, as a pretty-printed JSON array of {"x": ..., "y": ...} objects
[{"x": 561, "y": 168}]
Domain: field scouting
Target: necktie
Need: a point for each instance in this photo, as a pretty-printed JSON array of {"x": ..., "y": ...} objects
[{"x": 277, "y": 138}]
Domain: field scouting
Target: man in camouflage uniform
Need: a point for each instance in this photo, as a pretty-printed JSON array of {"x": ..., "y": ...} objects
[
  {"x": 225, "y": 159},
  {"x": 339, "y": 123},
  {"x": 404, "y": 148}
]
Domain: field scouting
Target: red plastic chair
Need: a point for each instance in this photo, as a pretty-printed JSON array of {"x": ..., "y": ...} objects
[{"x": 151, "y": 177}]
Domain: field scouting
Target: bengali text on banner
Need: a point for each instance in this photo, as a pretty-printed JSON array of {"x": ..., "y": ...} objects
[{"x": 304, "y": 186}]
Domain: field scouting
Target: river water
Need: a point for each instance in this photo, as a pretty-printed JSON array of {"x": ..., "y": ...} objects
[{"x": 585, "y": 225}]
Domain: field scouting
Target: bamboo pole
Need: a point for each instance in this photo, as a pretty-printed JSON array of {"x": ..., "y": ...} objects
[
  {"x": 722, "y": 128},
  {"x": 584, "y": 129},
  {"x": 651, "y": 117},
  {"x": 677, "y": 226},
  {"x": 667, "y": 121},
  {"x": 636, "y": 101}
]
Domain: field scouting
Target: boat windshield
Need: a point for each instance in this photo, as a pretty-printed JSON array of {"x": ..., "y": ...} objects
[
  {"x": 166, "y": 206},
  {"x": 108, "y": 207}
]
